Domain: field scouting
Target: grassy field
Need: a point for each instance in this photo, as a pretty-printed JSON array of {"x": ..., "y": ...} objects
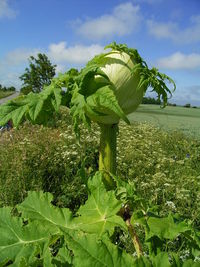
[
  {"x": 5, "y": 94},
  {"x": 186, "y": 120}
]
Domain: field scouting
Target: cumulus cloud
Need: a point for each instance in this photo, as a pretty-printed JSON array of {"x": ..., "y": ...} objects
[
  {"x": 14, "y": 62},
  {"x": 6, "y": 10},
  {"x": 171, "y": 30},
  {"x": 123, "y": 20},
  {"x": 13, "y": 65},
  {"x": 19, "y": 56},
  {"x": 77, "y": 54},
  {"x": 187, "y": 94},
  {"x": 179, "y": 60}
]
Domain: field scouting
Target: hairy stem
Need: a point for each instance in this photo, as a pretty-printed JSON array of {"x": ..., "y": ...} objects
[
  {"x": 107, "y": 152},
  {"x": 134, "y": 237}
]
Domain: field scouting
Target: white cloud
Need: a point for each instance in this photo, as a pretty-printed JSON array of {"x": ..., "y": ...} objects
[
  {"x": 124, "y": 19},
  {"x": 179, "y": 60},
  {"x": 14, "y": 62},
  {"x": 187, "y": 94},
  {"x": 78, "y": 54},
  {"x": 19, "y": 56},
  {"x": 5, "y": 10},
  {"x": 171, "y": 30}
]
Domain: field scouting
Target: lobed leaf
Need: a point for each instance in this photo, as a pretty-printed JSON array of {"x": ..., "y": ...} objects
[
  {"x": 38, "y": 108},
  {"x": 103, "y": 103},
  {"x": 165, "y": 228},
  {"x": 90, "y": 251},
  {"x": 35, "y": 107},
  {"x": 37, "y": 206},
  {"x": 98, "y": 215},
  {"x": 19, "y": 243}
]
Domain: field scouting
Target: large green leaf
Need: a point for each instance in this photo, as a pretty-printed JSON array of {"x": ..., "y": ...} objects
[
  {"x": 104, "y": 103},
  {"x": 86, "y": 80},
  {"x": 78, "y": 110},
  {"x": 190, "y": 263},
  {"x": 35, "y": 107},
  {"x": 63, "y": 258},
  {"x": 98, "y": 215},
  {"x": 165, "y": 228},
  {"x": 162, "y": 227},
  {"x": 162, "y": 259},
  {"x": 90, "y": 251},
  {"x": 37, "y": 206},
  {"x": 18, "y": 241}
]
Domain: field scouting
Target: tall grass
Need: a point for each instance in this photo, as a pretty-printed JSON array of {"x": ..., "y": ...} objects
[{"x": 165, "y": 167}]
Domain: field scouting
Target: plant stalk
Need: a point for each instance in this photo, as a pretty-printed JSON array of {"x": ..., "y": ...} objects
[
  {"x": 135, "y": 239},
  {"x": 107, "y": 152},
  {"x": 107, "y": 164}
]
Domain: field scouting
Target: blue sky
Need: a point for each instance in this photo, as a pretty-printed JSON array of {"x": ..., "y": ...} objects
[{"x": 70, "y": 32}]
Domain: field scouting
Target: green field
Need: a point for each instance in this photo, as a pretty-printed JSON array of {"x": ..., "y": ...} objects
[{"x": 172, "y": 118}]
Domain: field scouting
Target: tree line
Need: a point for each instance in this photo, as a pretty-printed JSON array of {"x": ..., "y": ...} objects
[{"x": 8, "y": 88}]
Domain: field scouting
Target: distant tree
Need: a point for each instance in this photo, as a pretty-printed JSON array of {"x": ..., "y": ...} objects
[
  {"x": 11, "y": 88},
  {"x": 151, "y": 100},
  {"x": 39, "y": 73},
  {"x": 171, "y": 104},
  {"x": 4, "y": 88},
  {"x": 187, "y": 105}
]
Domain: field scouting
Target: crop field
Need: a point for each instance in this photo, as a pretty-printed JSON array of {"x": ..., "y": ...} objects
[{"x": 186, "y": 120}]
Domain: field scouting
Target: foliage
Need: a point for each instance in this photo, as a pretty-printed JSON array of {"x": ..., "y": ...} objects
[
  {"x": 39, "y": 74},
  {"x": 52, "y": 236},
  {"x": 6, "y": 89},
  {"x": 46, "y": 158},
  {"x": 187, "y": 105},
  {"x": 5, "y": 93},
  {"x": 164, "y": 166},
  {"x": 93, "y": 94},
  {"x": 151, "y": 100},
  {"x": 84, "y": 237}
]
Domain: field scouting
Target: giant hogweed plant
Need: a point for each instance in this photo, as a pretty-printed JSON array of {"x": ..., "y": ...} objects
[{"x": 40, "y": 234}]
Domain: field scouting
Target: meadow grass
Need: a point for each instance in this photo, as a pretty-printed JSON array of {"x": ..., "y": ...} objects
[
  {"x": 186, "y": 120},
  {"x": 164, "y": 166}
]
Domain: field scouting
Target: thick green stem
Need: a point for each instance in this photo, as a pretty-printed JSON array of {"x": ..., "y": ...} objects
[
  {"x": 107, "y": 152},
  {"x": 107, "y": 164}
]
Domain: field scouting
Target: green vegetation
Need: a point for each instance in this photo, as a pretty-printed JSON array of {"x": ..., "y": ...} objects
[
  {"x": 186, "y": 120},
  {"x": 5, "y": 94},
  {"x": 151, "y": 100},
  {"x": 6, "y": 91},
  {"x": 116, "y": 225},
  {"x": 163, "y": 168},
  {"x": 39, "y": 74}
]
